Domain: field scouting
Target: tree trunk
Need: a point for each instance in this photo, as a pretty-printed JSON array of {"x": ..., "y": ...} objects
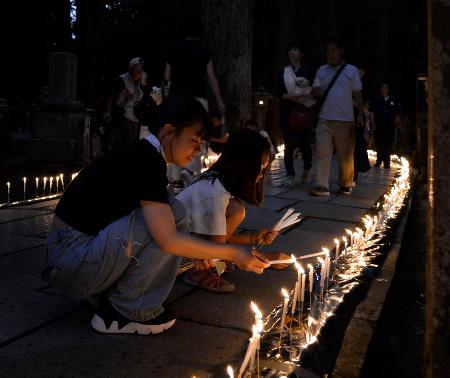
[
  {"x": 229, "y": 33},
  {"x": 437, "y": 327},
  {"x": 89, "y": 27}
]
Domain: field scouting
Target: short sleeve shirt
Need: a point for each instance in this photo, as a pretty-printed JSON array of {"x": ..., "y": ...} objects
[
  {"x": 338, "y": 105},
  {"x": 112, "y": 186},
  {"x": 207, "y": 201},
  {"x": 188, "y": 61}
]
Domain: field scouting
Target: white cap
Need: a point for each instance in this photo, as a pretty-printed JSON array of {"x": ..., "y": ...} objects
[{"x": 135, "y": 61}]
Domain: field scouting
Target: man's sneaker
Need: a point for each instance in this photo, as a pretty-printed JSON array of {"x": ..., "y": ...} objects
[
  {"x": 207, "y": 280},
  {"x": 345, "y": 190},
  {"x": 289, "y": 181},
  {"x": 108, "y": 320},
  {"x": 319, "y": 191}
]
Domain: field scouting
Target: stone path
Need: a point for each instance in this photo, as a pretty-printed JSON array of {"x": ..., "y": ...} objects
[{"x": 44, "y": 334}]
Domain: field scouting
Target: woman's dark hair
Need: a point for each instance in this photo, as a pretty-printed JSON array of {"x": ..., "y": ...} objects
[
  {"x": 179, "y": 111},
  {"x": 239, "y": 166},
  {"x": 295, "y": 45}
]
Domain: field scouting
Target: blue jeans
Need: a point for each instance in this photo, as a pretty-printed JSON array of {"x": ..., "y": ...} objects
[{"x": 136, "y": 284}]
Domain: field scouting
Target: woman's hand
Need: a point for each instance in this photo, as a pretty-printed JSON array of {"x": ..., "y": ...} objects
[
  {"x": 274, "y": 256},
  {"x": 265, "y": 237},
  {"x": 249, "y": 262}
]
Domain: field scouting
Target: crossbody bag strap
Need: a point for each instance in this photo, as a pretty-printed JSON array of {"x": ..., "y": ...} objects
[{"x": 333, "y": 80}]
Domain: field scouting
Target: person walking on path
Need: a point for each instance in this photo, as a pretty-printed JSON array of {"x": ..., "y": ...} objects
[
  {"x": 386, "y": 110},
  {"x": 117, "y": 233},
  {"x": 293, "y": 92},
  {"x": 128, "y": 89},
  {"x": 335, "y": 85}
]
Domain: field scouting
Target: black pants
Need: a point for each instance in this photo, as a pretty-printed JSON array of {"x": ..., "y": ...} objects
[
  {"x": 293, "y": 140},
  {"x": 384, "y": 139},
  {"x": 361, "y": 159}
]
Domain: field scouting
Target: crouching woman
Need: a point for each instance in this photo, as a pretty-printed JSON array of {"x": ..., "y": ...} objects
[{"x": 117, "y": 233}]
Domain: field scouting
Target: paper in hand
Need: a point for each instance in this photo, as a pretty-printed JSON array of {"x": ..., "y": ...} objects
[{"x": 288, "y": 219}]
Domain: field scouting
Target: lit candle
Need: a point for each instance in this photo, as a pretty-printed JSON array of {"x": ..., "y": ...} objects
[
  {"x": 8, "y": 186},
  {"x": 350, "y": 233},
  {"x": 283, "y": 316},
  {"x": 45, "y": 184},
  {"x": 230, "y": 372},
  {"x": 36, "y": 180},
  {"x": 249, "y": 352},
  {"x": 297, "y": 287},
  {"x": 322, "y": 270},
  {"x": 258, "y": 314},
  {"x": 50, "y": 186},
  {"x": 327, "y": 266},
  {"x": 61, "y": 177},
  {"x": 256, "y": 340},
  {"x": 57, "y": 184},
  {"x": 311, "y": 282},
  {"x": 344, "y": 239},
  {"x": 24, "y": 188},
  {"x": 302, "y": 296},
  {"x": 336, "y": 241}
]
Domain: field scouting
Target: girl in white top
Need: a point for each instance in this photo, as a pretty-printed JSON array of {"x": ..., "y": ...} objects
[{"x": 215, "y": 202}]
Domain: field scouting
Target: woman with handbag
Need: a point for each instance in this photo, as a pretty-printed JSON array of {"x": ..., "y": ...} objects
[{"x": 295, "y": 117}]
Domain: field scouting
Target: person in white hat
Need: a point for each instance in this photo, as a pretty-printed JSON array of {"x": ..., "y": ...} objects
[{"x": 127, "y": 91}]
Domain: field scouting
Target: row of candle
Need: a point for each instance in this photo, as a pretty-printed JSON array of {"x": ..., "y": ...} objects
[
  {"x": 352, "y": 246},
  {"x": 59, "y": 185}
]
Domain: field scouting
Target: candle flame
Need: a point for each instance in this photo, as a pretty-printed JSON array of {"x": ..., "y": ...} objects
[
  {"x": 344, "y": 239},
  {"x": 230, "y": 371},
  {"x": 24, "y": 180},
  {"x": 256, "y": 310},
  {"x": 8, "y": 184},
  {"x": 349, "y": 232},
  {"x": 310, "y": 267},
  {"x": 285, "y": 293},
  {"x": 326, "y": 250},
  {"x": 321, "y": 261},
  {"x": 336, "y": 241}
]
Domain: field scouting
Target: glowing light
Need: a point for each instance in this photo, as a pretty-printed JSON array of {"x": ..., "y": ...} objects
[{"x": 230, "y": 372}]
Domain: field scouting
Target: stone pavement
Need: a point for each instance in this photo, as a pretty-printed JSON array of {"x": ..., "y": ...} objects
[{"x": 44, "y": 334}]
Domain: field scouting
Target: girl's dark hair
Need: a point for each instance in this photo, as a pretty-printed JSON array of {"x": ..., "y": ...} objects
[
  {"x": 179, "y": 111},
  {"x": 239, "y": 166}
]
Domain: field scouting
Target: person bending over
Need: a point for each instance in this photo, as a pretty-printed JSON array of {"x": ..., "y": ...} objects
[{"x": 216, "y": 204}]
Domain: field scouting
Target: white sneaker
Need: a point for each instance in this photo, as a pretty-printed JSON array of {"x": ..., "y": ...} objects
[{"x": 108, "y": 320}]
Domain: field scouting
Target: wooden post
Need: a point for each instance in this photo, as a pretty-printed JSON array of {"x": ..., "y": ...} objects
[{"x": 437, "y": 334}]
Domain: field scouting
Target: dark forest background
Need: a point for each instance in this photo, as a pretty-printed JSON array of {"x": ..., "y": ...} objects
[{"x": 388, "y": 37}]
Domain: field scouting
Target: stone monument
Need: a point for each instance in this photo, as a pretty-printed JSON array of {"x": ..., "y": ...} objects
[{"x": 60, "y": 119}]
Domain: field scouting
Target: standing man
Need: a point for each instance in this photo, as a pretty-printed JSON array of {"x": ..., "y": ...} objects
[
  {"x": 335, "y": 85},
  {"x": 128, "y": 89},
  {"x": 385, "y": 110}
]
